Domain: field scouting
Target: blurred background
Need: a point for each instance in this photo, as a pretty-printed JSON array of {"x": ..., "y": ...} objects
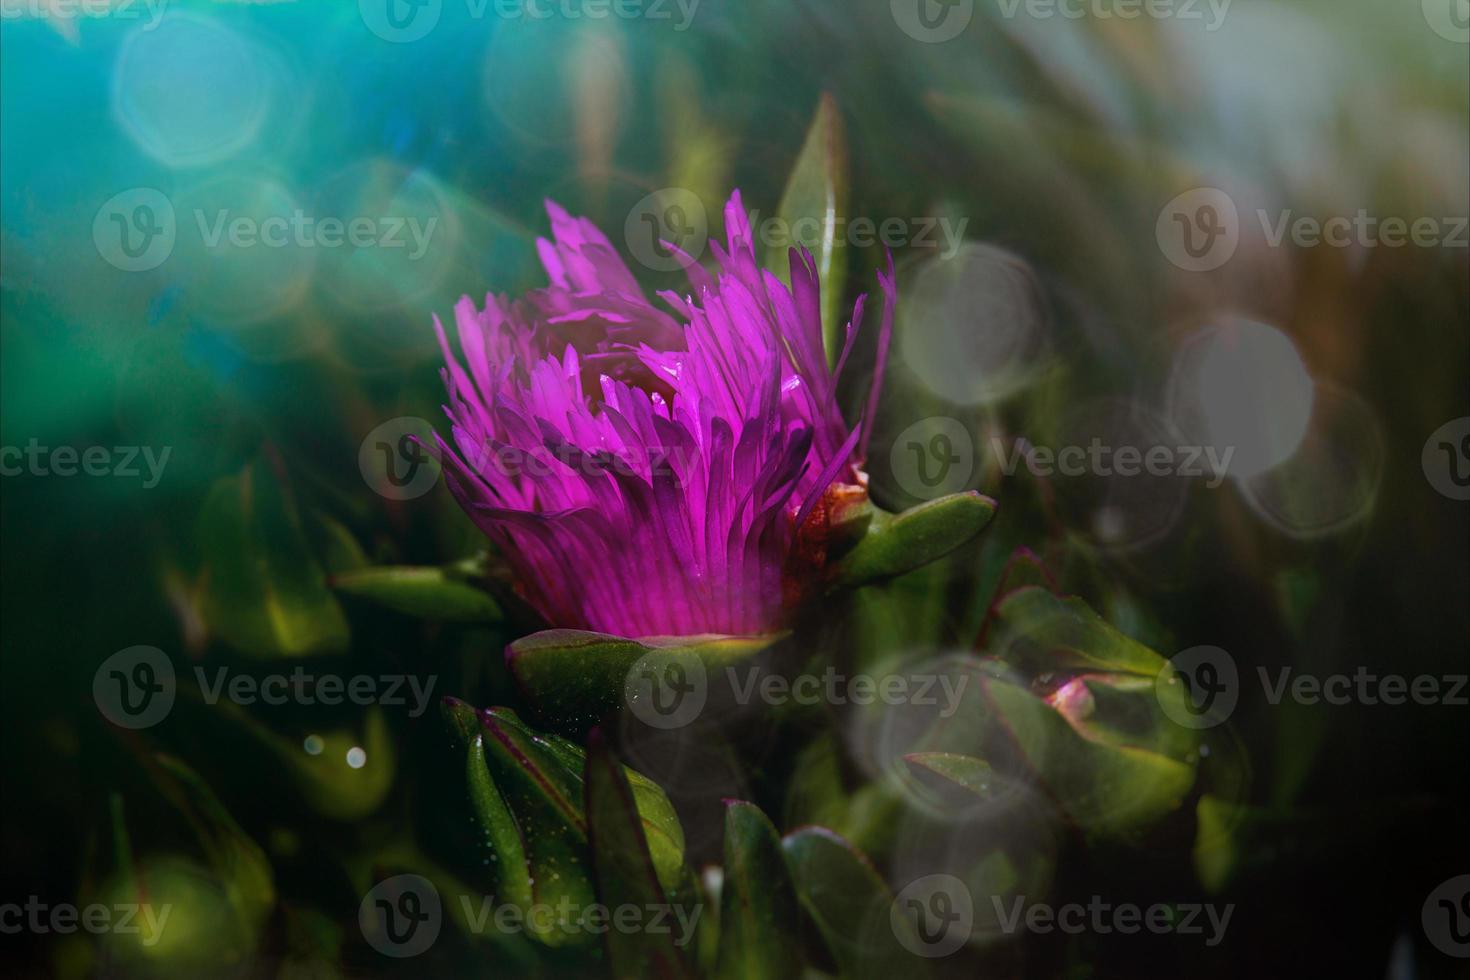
[{"x": 1102, "y": 216}]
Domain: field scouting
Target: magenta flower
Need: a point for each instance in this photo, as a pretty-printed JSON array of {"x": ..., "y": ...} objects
[{"x": 655, "y": 473}]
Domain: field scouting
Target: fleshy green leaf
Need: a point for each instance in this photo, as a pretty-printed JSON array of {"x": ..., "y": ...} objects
[
  {"x": 758, "y": 908},
  {"x": 624, "y": 870},
  {"x": 965, "y": 772},
  {"x": 575, "y": 679},
  {"x": 263, "y": 593},
  {"x": 545, "y": 797},
  {"x": 849, "y": 902},
  {"x": 1048, "y": 632},
  {"x": 814, "y": 206},
  {"x": 511, "y": 881},
  {"x": 1103, "y": 788},
  {"x": 193, "y": 917},
  {"x": 527, "y": 792},
  {"x": 427, "y": 592},
  {"x": 898, "y": 543}
]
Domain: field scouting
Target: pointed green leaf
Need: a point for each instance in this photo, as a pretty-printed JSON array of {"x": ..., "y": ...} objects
[
  {"x": 625, "y": 872},
  {"x": 1048, "y": 632},
  {"x": 899, "y": 543},
  {"x": 427, "y": 592},
  {"x": 263, "y": 593},
  {"x": 527, "y": 791},
  {"x": 1103, "y": 788},
  {"x": 965, "y": 772},
  {"x": 545, "y": 798},
  {"x": 508, "y": 870},
  {"x": 815, "y": 206},
  {"x": 849, "y": 902},
  {"x": 758, "y": 908}
]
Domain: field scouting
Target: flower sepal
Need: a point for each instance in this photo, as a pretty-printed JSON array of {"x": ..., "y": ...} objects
[{"x": 892, "y": 544}]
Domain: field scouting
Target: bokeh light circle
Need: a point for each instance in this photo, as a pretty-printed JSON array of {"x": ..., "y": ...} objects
[
  {"x": 972, "y": 327},
  {"x": 1331, "y": 481},
  {"x": 1240, "y": 387},
  {"x": 190, "y": 91}
]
